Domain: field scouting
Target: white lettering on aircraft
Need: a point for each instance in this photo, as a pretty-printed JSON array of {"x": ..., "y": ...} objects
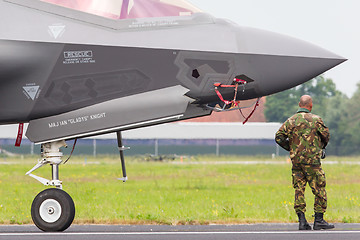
[
  {"x": 78, "y": 54},
  {"x": 78, "y": 57},
  {"x": 77, "y": 120}
]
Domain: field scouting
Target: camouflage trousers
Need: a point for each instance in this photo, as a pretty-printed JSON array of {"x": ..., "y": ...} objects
[{"x": 315, "y": 176}]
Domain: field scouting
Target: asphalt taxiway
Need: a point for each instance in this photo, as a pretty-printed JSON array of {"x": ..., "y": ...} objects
[{"x": 208, "y": 232}]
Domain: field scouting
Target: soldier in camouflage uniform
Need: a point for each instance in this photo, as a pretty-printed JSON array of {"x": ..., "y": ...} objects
[{"x": 305, "y": 136}]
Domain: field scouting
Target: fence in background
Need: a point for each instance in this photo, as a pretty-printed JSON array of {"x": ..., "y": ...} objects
[{"x": 97, "y": 147}]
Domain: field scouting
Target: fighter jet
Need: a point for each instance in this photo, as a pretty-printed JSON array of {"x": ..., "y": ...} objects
[{"x": 74, "y": 69}]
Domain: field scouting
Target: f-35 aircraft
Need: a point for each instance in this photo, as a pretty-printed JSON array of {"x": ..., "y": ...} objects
[{"x": 76, "y": 68}]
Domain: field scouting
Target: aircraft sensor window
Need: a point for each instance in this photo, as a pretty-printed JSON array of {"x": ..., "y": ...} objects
[
  {"x": 195, "y": 73},
  {"x": 129, "y": 9}
]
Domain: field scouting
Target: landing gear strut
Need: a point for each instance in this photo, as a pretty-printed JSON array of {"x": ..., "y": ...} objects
[{"x": 52, "y": 209}]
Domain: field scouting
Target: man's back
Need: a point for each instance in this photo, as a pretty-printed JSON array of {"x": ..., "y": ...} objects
[{"x": 304, "y": 135}]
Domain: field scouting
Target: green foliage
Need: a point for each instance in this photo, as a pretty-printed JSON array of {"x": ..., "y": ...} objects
[
  {"x": 282, "y": 105},
  {"x": 334, "y": 116},
  {"x": 340, "y": 114},
  {"x": 349, "y": 125},
  {"x": 321, "y": 90}
]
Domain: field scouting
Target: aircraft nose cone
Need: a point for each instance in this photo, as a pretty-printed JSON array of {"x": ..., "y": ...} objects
[
  {"x": 281, "y": 61},
  {"x": 258, "y": 41}
]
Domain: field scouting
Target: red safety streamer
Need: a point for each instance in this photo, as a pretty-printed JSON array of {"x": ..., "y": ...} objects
[
  {"x": 247, "y": 118},
  {"x": 221, "y": 97},
  {"x": 19, "y": 135}
]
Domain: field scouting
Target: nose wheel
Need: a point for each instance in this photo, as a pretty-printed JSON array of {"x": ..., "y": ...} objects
[{"x": 53, "y": 210}]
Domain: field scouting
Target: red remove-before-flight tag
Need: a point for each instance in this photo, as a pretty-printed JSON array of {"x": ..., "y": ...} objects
[{"x": 20, "y": 134}]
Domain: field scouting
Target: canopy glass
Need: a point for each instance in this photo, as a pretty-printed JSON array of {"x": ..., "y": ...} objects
[{"x": 125, "y": 9}]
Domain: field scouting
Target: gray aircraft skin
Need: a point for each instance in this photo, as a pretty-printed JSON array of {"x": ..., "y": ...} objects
[
  {"x": 72, "y": 74},
  {"x": 109, "y": 75}
]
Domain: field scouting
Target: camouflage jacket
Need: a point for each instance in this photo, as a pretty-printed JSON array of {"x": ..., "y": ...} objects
[{"x": 304, "y": 135}]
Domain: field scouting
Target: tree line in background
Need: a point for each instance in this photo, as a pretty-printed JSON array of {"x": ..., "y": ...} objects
[{"x": 340, "y": 113}]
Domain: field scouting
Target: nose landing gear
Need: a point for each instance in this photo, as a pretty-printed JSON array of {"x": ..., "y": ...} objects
[{"x": 52, "y": 210}]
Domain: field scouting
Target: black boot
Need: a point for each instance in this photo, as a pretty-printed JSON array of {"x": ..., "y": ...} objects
[
  {"x": 303, "y": 224},
  {"x": 320, "y": 223}
]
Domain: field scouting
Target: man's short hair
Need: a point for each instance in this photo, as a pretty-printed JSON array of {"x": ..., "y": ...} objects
[{"x": 305, "y": 101}]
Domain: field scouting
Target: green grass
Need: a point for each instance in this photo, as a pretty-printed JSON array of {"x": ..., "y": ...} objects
[{"x": 182, "y": 193}]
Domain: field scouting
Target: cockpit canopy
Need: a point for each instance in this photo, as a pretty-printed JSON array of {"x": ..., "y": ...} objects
[{"x": 129, "y": 9}]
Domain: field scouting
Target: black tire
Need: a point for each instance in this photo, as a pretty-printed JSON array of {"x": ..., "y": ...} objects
[{"x": 53, "y": 210}]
